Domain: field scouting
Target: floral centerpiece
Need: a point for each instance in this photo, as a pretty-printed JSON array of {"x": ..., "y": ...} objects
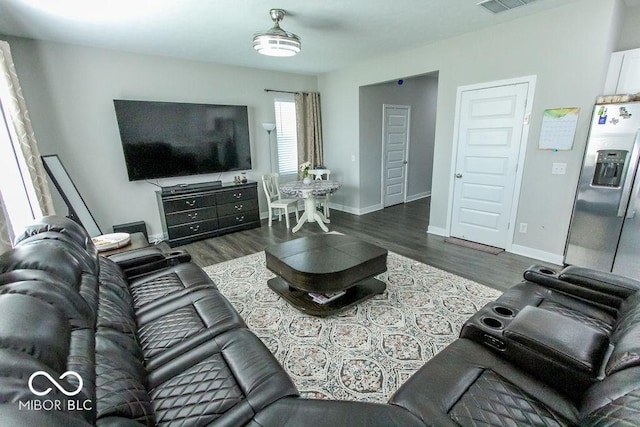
[{"x": 304, "y": 169}]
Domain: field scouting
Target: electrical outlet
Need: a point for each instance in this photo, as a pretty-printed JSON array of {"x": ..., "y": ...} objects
[
  {"x": 559, "y": 168},
  {"x": 523, "y": 227}
]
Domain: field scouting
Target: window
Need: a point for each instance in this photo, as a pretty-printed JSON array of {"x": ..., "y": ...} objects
[
  {"x": 287, "y": 137},
  {"x": 18, "y": 194}
]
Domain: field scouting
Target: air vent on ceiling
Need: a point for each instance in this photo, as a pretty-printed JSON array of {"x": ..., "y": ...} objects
[{"x": 497, "y": 6}]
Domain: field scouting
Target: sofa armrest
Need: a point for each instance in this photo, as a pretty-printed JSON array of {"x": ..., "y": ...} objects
[
  {"x": 146, "y": 260},
  {"x": 297, "y": 412},
  {"x": 550, "y": 336},
  {"x": 602, "y": 281},
  {"x": 606, "y": 290}
]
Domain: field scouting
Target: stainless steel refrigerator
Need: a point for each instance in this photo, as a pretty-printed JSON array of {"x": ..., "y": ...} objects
[{"x": 605, "y": 225}]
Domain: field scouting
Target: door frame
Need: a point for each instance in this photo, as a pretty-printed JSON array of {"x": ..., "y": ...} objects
[
  {"x": 383, "y": 179},
  {"x": 531, "y": 80}
]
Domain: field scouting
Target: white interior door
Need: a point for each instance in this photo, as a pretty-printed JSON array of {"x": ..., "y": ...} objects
[
  {"x": 395, "y": 138},
  {"x": 490, "y": 130}
]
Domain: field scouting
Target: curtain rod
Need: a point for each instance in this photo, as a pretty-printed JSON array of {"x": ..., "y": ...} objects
[{"x": 279, "y": 91}]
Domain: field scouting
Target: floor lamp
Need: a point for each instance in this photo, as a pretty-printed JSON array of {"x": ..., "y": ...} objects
[{"x": 269, "y": 127}]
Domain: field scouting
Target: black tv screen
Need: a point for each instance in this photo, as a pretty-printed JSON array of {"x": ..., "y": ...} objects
[{"x": 169, "y": 139}]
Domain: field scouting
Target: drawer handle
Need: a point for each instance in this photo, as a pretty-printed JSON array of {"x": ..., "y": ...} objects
[
  {"x": 194, "y": 228},
  {"x": 239, "y": 207},
  {"x": 192, "y": 215},
  {"x": 240, "y": 218},
  {"x": 191, "y": 203},
  {"x": 237, "y": 195}
]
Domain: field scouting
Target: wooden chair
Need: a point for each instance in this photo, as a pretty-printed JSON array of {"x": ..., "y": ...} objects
[
  {"x": 320, "y": 174},
  {"x": 275, "y": 201}
]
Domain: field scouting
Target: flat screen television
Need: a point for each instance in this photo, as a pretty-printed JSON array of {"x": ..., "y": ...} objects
[{"x": 169, "y": 139}]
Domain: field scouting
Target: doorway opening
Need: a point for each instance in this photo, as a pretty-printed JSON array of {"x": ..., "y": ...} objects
[{"x": 419, "y": 93}]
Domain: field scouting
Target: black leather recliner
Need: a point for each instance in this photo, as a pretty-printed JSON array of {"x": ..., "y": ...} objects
[
  {"x": 556, "y": 349},
  {"x": 163, "y": 348}
]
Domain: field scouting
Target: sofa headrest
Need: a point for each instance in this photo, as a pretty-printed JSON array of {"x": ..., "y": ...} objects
[
  {"x": 45, "y": 256},
  {"x": 89, "y": 262},
  {"x": 62, "y": 225},
  {"x": 35, "y": 328},
  {"x": 45, "y": 287}
]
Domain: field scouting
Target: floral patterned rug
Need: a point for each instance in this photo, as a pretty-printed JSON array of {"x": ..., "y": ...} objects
[{"x": 367, "y": 352}]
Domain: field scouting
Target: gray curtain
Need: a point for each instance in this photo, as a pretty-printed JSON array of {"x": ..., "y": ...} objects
[
  {"x": 309, "y": 125},
  {"x": 17, "y": 117}
]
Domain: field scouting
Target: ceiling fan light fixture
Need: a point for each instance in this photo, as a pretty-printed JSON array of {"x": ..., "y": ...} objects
[{"x": 276, "y": 41}]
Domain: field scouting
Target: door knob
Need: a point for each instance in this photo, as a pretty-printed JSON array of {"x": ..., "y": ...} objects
[{"x": 458, "y": 175}]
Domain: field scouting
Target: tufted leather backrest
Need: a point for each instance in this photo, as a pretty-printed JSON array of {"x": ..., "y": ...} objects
[
  {"x": 613, "y": 401},
  {"x": 47, "y": 330},
  {"x": 56, "y": 258},
  {"x": 625, "y": 337},
  {"x": 44, "y": 286},
  {"x": 61, "y": 225}
]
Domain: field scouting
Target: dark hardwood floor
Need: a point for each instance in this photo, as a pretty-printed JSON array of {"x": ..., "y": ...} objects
[{"x": 401, "y": 229}]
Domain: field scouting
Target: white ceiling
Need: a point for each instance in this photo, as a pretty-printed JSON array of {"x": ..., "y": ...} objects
[{"x": 334, "y": 33}]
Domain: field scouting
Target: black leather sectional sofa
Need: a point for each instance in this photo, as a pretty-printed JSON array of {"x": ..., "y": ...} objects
[{"x": 145, "y": 338}]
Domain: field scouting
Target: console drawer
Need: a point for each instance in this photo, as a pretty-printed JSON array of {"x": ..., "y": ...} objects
[
  {"x": 184, "y": 203},
  {"x": 240, "y": 218},
  {"x": 237, "y": 207},
  {"x": 236, "y": 195},
  {"x": 191, "y": 216},
  {"x": 192, "y": 229}
]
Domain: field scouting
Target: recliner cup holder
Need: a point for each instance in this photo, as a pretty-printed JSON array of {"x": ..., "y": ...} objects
[
  {"x": 492, "y": 323},
  {"x": 175, "y": 253},
  {"x": 503, "y": 311},
  {"x": 546, "y": 271}
]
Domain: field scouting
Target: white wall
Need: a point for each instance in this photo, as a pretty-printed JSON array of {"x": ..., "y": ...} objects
[
  {"x": 69, "y": 92},
  {"x": 567, "y": 48}
]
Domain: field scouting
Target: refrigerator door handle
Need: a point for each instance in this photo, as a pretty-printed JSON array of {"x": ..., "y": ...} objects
[{"x": 628, "y": 179}]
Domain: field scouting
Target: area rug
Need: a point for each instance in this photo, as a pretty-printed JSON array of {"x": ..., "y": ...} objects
[
  {"x": 474, "y": 245},
  {"x": 367, "y": 352}
]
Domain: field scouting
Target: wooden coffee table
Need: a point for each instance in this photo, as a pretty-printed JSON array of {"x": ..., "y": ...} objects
[{"x": 326, "y": 263}]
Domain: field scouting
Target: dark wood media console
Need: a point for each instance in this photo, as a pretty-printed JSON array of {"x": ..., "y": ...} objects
[{"x": 201, "y": 211}]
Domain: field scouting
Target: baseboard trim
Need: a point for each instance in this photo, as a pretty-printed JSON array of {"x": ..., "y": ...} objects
[
  {"x": 370, "y": 209},
  {"x": 418, "y": 196},
  {"x": 438, "y": 231},
  {"x": 156, "y": 238},
  {"x": 376, "y": 207},
  {"x": 537, "y": 254},
  {"x": 343, "y": 208}
]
